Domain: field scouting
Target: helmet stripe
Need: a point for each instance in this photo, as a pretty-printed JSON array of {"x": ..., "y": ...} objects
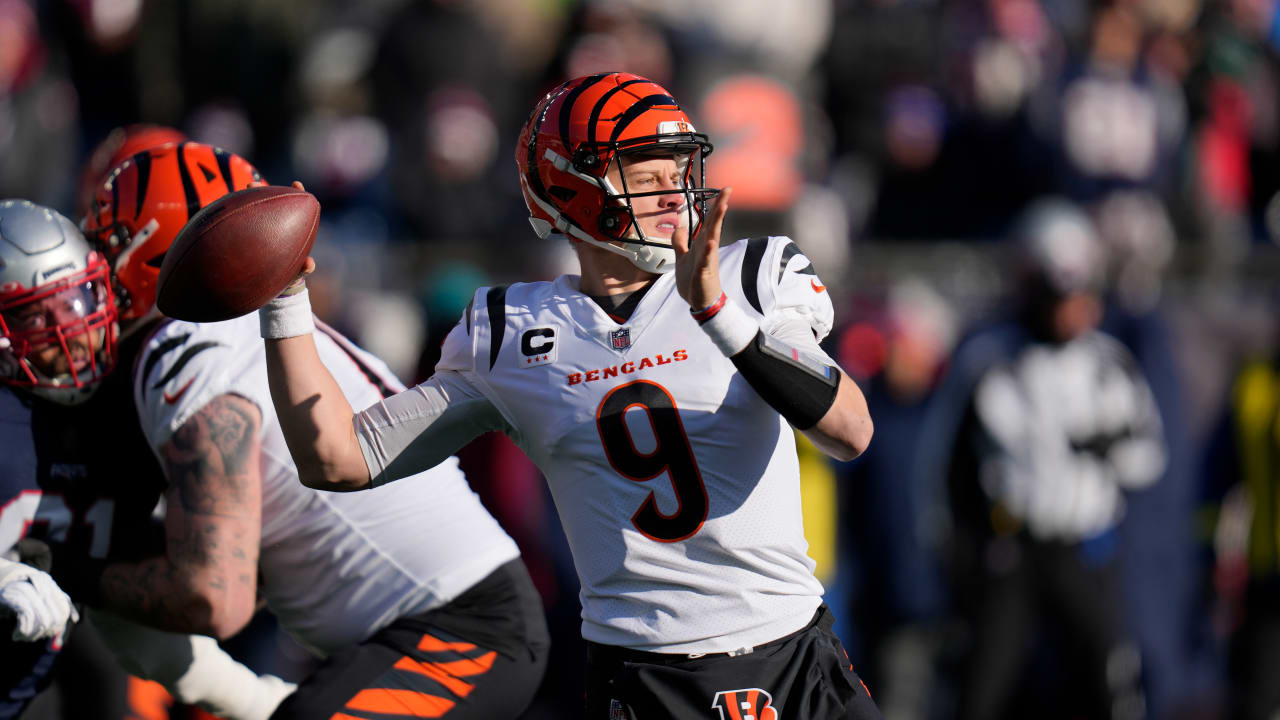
[
  {"x": 224, "y": 166},
  {"x": 638, "y": 109},
  {"x": 115, "y": 200},
  {"x": 566, "y": 109},
  {"x": 188, "y": 187},
  {"x": 540, "y": 113},
  {"x": 599, "y": 108},
  {"x": 143, "y": 161}
]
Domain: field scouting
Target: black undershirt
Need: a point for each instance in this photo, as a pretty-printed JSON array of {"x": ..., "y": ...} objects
[{"x": 621, "y": 306}]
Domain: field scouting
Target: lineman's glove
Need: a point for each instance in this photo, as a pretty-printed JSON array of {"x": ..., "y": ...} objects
[{"x": 39, "y": 607}]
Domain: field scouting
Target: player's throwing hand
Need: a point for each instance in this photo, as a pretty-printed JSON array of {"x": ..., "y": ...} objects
[{"x": 698, "y": 267}]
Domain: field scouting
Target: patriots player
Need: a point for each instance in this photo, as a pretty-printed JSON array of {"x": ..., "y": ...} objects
[
  {"x": 657, "y": 392},
  {"x": 76, "y": 482},
  {"x": 415, "y": 599}
]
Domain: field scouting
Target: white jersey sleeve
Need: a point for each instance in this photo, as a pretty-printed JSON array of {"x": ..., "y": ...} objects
[
  {"x": 184, "y": 366},
  {"x": 334, "y": 567},
  {"x": 781, "y": 285},
  {"x": 423, "y": 425}
]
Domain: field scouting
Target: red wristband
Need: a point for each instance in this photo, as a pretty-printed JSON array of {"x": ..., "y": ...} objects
[{"x": 710, "y": 311}]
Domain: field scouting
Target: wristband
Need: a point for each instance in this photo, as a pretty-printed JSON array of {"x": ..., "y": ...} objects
[
  {"x": 728, "y": 326},
  {"x": 287, "y": 315}
]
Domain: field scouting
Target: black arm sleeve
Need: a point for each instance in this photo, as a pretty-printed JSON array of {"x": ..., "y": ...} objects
[{"x": 797, "y": 384}]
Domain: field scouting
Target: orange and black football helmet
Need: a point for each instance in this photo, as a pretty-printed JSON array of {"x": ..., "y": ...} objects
[
  {"x": 145, "y": 201},
  {"x": 580, "y": 130},
  {"x": 119, "y": 145}
]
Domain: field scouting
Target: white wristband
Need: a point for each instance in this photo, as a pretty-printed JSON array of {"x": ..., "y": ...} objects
[
  {"x": 286, "y": 316},
  {"x": 731, "y": 328}
]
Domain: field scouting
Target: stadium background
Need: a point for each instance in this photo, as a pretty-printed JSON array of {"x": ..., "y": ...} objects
[{"x": 898, "y": 141}]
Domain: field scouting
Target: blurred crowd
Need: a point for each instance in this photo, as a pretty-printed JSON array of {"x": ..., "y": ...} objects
[{"x": 983, "y": 185}]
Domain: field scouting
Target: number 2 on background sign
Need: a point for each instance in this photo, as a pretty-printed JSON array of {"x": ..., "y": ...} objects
[{"x": 672, "y": 455}]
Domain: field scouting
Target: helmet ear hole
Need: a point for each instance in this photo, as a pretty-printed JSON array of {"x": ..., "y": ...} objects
[
  {"x": 614, "y": 222},
  {"x": 562, "y": 193}
]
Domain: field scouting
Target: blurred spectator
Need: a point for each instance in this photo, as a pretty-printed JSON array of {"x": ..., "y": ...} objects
[
  {"x": 1243, "y": 469},
  {"x": 891, "y": 595},
  {"x": 1058, "y": 424}
]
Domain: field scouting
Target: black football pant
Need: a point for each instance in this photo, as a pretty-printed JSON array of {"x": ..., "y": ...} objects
[
  {"x": 480, "y": 657},
  {"x": 803, "y": 676}
]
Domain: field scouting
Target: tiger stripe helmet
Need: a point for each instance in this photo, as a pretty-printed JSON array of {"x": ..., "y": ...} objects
[
  {"x": 119, "y": 145},
  {"x": 576, "y": 133},
  {"x": 144, "y": 202}
]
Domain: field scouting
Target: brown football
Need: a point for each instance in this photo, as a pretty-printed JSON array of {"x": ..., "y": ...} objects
[{"x": 237, "y": 253}]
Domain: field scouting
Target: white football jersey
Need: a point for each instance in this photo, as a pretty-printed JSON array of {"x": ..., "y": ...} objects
[
  {"x": 334, "y": 567},
  {"x": 677, "y": 485}
]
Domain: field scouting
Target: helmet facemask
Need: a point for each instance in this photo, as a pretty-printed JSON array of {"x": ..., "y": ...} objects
[
  {"x": 619, "y": 221},
  {"x": 58, "y": 340}
]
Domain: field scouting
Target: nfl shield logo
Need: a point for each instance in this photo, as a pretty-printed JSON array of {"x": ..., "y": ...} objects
[{"x": 620, "y": 339}]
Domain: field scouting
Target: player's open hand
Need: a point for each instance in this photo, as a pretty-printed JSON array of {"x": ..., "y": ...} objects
[
  {"x": 698, "y": 265},
  {"x": 307, "y": 268}
]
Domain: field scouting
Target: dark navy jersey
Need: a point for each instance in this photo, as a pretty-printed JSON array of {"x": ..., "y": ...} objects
[{"x": 82, "y": 475}]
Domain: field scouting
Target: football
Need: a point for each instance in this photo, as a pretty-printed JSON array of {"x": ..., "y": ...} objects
[{"x": 237, "y": 253}]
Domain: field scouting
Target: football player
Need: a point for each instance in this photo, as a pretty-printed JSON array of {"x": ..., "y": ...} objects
[
  {"x": 657, "y": 392},
  {"x": 73, "y": 475},
  {"x": 415, "y": 598}
]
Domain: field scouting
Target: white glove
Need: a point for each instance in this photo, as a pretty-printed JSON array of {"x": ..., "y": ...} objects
[
  {"x": 39, "y": 606},
  {"x": 193, "y": 668}
]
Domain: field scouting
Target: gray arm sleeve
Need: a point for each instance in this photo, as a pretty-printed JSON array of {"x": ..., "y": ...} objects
[{"x": 420, "y": 427}]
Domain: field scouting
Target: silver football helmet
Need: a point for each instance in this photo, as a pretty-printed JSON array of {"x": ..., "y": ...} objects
[{"x": 57, "y": 313}]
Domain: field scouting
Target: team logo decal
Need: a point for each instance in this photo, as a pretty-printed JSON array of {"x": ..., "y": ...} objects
[
  {"x": 537, "y": 347},
  {"x": 620, "y": 339},
  {"x": 617, "y": 711},
  {"x": 747, "y": 704}
]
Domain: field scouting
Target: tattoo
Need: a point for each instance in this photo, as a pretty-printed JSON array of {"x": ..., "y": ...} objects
[
  {"x": 207, "y": 458},
  {"x": 212, "y": 524}
]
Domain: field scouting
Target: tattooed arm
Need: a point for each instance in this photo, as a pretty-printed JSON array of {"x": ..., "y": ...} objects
[{"x": 207, "y": 581}]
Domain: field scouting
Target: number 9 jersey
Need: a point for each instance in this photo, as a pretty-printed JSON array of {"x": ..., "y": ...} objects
[{"x": 677, "y": 485}]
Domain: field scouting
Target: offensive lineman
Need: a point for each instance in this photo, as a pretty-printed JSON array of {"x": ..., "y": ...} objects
[
  {"x": 654, "y": 403},
  {"x": 416, "y": 598},
  {"x": 75, "y": 475}
]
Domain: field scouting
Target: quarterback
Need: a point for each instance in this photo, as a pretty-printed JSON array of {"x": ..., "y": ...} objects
[{"x": 656, "y": 391}]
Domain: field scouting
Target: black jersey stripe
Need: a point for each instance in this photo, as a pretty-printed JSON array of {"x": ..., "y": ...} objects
[
  {"x": 143, "y": 161},
  {"x": 470, "y": 304},
  {"x": 496, "y": 299},
  {"x": 599, "y": 107},
  {"x": 566, "y": 109},
  {"x": 377, "y": 381},
  {"x": 184, "y": 359},
  {"x": 751, "y": 270},
  {"x": 788, "y": 252},
  {"x": 637, "y": 109},
  {"x": 161, "y": 350}
]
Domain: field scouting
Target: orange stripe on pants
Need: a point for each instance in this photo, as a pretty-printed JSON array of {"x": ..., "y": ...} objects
[
  {"x": 147, "y": 700},
  {"x": 432, "y": 644},
  {"x": 400, "y": 702}
]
